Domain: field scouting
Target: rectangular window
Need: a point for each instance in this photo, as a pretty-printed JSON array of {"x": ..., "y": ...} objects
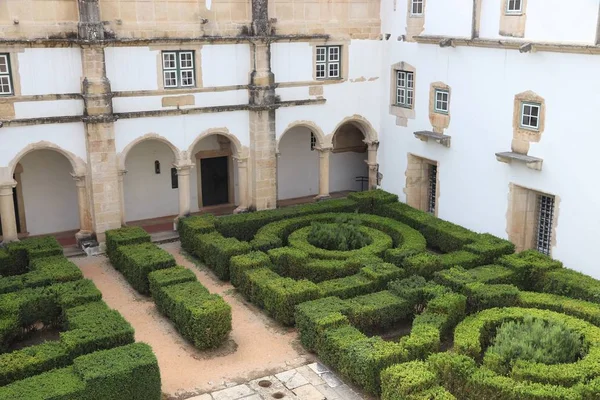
[
  {"x": 6, "y": 87},
  {"x": 313, "y": 141},
  {"x": 514, "y": 6},
  {"x": 405, "y": 87},
  {"x": 416, "y": 7},
  {"x": 530, "y": 116},
  {"x": 545, "y": 217},
  {"x": 431, "y": 192},
  {"x": 174, "y": 179},
  {"x": 442, "y": 101},
  {"x": 178, "y": 69},
  {"x": 328, "y": 61}
]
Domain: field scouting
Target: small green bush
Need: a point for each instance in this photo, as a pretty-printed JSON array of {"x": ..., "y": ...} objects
[
  {"x": 377, "y": 311},
  {"x": 343, "y": 235},
  {"x": 566, "y": 282},
  {"x": 482, "y": 296},
  {"x": 368, "y": 200},
  {"x": 122, "y": 237},
  {"x": 350, "y": 286},
  {"x": 216, "y": 251},
  {"x": 136, "y": 261},
  {"x": 6, "y": 263},
  {"x": 189, "y": 227},
  {"x": 534, "y": 340},
  {"x": 403, "y": 380},
  {"x": 423, "y": 264},
  {"x": 42, "y": 272},
  {"x": 169, "y": 276},
  {"x": 585, "y": 310},
  {"x": 529, "y": 267}
]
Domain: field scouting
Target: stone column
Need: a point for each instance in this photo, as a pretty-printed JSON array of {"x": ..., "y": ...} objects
[
  {"x": 121, "y": 174},
  {"x": 324, "y": 173},
  {"x": 372, "y": 162},
  {"x": 242, "y": 164},
  {"x": 183, "y": 183},
  {"x": 85, "y": 222},
  {"x": 7, "y": 212}
]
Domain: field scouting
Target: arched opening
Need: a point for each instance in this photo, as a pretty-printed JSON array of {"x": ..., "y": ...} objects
[
  {"x": 298, "y": 164},
  {"x": 349, "y": 170},
  {"x": 148, "y": 183},
  {"x": 45, "y": 198},
  {"x": 214, "y": 179}
]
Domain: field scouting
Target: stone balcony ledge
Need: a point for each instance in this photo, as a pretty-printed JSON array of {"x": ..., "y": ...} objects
[
  {"x": 531, "y": 162},
  {"x": 442, "y": 139}
]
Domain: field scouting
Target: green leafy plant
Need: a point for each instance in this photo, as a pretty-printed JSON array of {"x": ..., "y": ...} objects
[
  {"x": 534, "y": 340},
  {"x": 343, "y": 235}
]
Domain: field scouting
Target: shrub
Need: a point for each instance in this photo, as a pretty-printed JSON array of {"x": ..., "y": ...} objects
[
  {"x": 529, "y": 266},
  {"x": 350, "y": 286},
  {"x": 402, "y": 380},
  {"x": 202, "y": 318},
  {"x": 280, "y": 297},
  {"x": 62, "y": 384},
  {"x": 169, "y": 276},
  {"x": 489, "y": 247},
  {"x": 569, "y": 283},
  {"x": 482, "y": 296},
  {"x": 216, "y": 251},
  {"x": 343, "y": 235},
  {"x": 244, "y": 226},
  {"x": 238, "y": 265},
  {"x": 578, "y": 308},
  {"x": 368, "y": 200},
  {"x": 43, "y": 272},
  {"x": 313, "y": 318},
  {"x": 6, "y": 263},
  {"x": 377, "y": 311},
  {"x": 534, "y": 340},
  {"x": 136, "y": 261},
  {"x": 122, "y": 237},
  {"x": 189, "y": 227},
  {"x": 424, "y": 264}
]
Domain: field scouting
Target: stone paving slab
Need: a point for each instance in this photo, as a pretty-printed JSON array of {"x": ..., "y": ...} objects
[{"x": 308, "y": 382}]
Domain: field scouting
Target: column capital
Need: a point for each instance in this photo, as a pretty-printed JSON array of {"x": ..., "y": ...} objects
[
  {"x": 122, "y": 172},
  {"x": 324, "y": 149},
  {"x": 184, "y": 169},
  {"x": 372, "y": 144},
  {"x": 242, "y": 161},
  {"x": 6, "y": 188},
  {"x": 79, "y": 179}
]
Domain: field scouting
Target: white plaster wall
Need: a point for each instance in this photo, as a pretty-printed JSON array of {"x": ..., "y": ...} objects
[
  {"x": 343, "y": 170},
  {"x": 473, "y": 185},
  {"x": 182, "y": 130},
  {"x": 70, "y": 137},
  {"x": 292, "y": 62},
  {"x": 147, "y": 194},
  {"x": 297, "y": 165},
  {"x": 49, "y": 193},
  {"x": 208, "y": 99},
  {"x": 547, "y": 20},
  {"x": 447, "y": 18},
  {"x": 132, "y": 68},
  {"x": 54, "y": 108},
  {"x": 50, "y": 71},
  {"x": 226, "y": 64}
]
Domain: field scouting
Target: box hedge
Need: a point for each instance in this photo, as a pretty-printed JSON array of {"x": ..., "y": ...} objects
[
  {"x": 17, "y": 256},
  {"x": 136, "y": 261},
  {"x": 189, "y": 227},
  {"x": 569, "y": 283},
  {"x": 42, "y": 272},
  {"x": 368, "y": 200},
  {"x": 124, "y": 236},
  {"x": 529, "y": 267},
  {"x": 216, "y": 251}
]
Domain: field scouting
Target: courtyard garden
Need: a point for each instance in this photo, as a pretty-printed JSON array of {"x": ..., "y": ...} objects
[{"x": 398, "y": 302}]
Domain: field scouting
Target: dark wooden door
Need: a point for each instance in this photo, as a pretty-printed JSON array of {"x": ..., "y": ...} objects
[{"x": 215, "y": 181}]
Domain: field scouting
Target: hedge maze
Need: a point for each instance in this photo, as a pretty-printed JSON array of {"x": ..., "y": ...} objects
[
  {"x": 95, "y": 356},
  {"x": 202, "y": 318},
  {"x": 455, "y": 288}
]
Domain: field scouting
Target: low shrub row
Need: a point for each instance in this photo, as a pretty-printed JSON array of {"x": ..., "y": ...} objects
[
  {"x": 202, "y": 318},
  {"x": 216, "y": 251},
  {"x": 189, "y": 227},
  {"x": 369, "y": 200},
  {"x": 330, "y": 327},
  {"x": 15, "y": 258},
  {"x": 42, "y": 272},
  {"x": 123, "y": 373}
]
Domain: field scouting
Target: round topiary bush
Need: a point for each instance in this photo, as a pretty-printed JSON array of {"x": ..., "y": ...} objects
[{"x": 343, "y": 235}]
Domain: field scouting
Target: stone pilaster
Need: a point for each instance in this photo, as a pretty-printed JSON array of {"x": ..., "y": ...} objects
[
  {"x": 90, "y": 26},
  {"x": 242, "y": 164},
  {"x": 183, "y": 183},
  {"x": 85, "y": 218},
  {"x": 7, "y": 212},
  {"x": 324, "y": 173},
  {"x": 373, "y": 165},
  {"x": 121, "y": 174}
]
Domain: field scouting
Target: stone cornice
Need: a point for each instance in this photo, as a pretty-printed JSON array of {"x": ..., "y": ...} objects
[{"x": 531, "y": 46}]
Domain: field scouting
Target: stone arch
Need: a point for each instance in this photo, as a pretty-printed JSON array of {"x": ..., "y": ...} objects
[
  {"x": 318, "y": 132},
  {"x": 122, "y": 157},
  {"x": 369, "y": 133},
  {"x": 238, "y": 149},
  {"x": 78, "y": 165}
]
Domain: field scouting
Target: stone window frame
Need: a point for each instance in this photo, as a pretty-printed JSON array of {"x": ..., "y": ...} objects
[
  {"x": 327, "y": 62},
  {"x": 512, "y": 23},
  {"x": 522, "y": 217},
  {"x": 344, "y": 59},
  {"x": 402, "y": 114},
  {"x": 442, "y": 101},
  {"x": 416, "y": 186},
  {"x": 178, "y": 68},
  {"x": 439, "y": 121},
  {"x": 196, "y": 49},
  {"x": 523, "y": 136}
]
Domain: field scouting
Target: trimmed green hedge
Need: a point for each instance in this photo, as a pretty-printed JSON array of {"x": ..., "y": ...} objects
[
  {"x": 216, "y": 251},
  {"x": 569, "y": 283},
  {"x": 123, "y": 373},
  {"x": 124, "y": 236},
  {"x": 189, "y": 227},
  {"x": 244, "y": 226},
  {"x": 42, "y": 272},
  {"x": 15, "y": 259},
  {"x": 529, "y": 267},
  {"x": 136, "y": 261},
  {"x": 368, "y": 200}
]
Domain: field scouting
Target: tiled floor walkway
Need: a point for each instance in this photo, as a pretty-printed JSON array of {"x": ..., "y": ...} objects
[{"x": 309, "y": 382}]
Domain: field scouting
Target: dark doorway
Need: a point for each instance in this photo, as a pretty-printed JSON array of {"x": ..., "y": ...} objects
[{"x": 215, "y": 181}]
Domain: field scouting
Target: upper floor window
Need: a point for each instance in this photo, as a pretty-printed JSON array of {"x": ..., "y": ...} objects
[
  {"x": 442, "y": 101},
  {"x": 416, "y": 7},
  {"x": 328, "y": 62},
  {"x": 405, "y": 87},
  {"x": 514, "y": 6},
  {"x": 530, "y": 116},
  {"x": 178, "y": 69},
  {"x": 5, "y": 78}
]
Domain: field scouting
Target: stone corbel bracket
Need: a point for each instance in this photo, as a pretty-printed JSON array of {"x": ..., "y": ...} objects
[
  {"x": 531, "y": 162},
  {"x": 444, "y": 140}
]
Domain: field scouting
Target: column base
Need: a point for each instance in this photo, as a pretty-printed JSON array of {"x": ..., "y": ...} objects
[
  {"x": 84, "y": 235},
  {"x": 322, "y": 197},
  {"x": 241, "y": 210},
  {"x": 7, "y": 241}
]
